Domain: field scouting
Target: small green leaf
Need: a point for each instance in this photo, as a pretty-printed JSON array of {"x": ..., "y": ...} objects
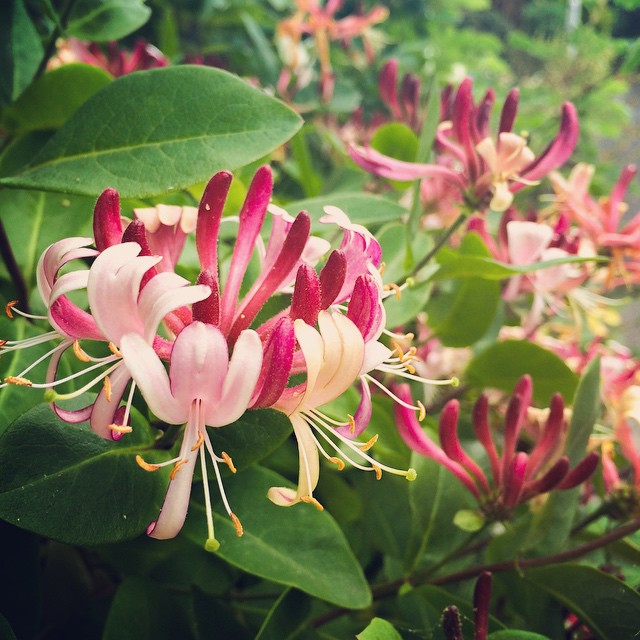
[
  {"x": 362, "y": 208},
  {"x": 286, "y": 617},
  {"x": 469, "y": 520},
  {"x": 65, "y": 482},
  {"x": 395, "y": 140},
  {"x": 296, "y": 546},
  {"x": 606, "y": 605},
  {"x": 20, "y": 50},
  {"x": 103, "y": 20},
  {"x": 183, "y": 124},
  {"x": 379, "y": 629},
  {"x": 50, "y": 100},
  {"x": 504, "y": 363}
]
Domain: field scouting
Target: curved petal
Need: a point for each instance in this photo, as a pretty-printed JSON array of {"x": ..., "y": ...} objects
[
  {"x": 105, "y": 407},
  {"x": 151, "y": 377}
]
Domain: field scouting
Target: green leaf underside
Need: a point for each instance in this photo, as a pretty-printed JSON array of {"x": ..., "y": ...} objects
[
  {"x": 296, "y": 546},
  {"x": 65, "y": 482},
  {"x": 606, "y": 605},
  {"x": 169, "y": 129},
  {"x": 502, "y": 365},
  {"x": 103, "y": 20}
]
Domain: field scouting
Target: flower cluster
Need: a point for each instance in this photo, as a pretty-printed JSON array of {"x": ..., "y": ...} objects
[
  {"x": 195, "y": 350},
  {"x": 516, "y": 476}
]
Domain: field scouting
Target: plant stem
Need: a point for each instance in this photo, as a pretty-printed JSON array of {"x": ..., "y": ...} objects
[
  {"x": 14, "y": 270},
  {"x": 440, "y": 243},
  {"x": 391, "y": 588}
]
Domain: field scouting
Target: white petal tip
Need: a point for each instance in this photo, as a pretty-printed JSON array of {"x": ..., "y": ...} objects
[{"x": 282, "y": 496}]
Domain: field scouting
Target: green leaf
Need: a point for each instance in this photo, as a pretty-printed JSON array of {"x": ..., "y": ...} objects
[
  {"x": 182, "y": 124},
  {"x": 464, "y": 314},
  {"x": 20, "y": 50},
  {"x": 53, "y": 98},
  {"x": 362, "y": 208},
  {"x": 6, "y": 632},
  {"x": 214, "y": 620},
  {"x": 297, "y": 546},
  {"x": 287, "y": 616},
  {"x": 608, "y": 606},
  {"x": 379, "y": 629},
  {"x": 395, "y": 140},
  {"x": 504, "y": 363},
  {"x": 253, "y": 437},
  {"x": 142, "y": 609},
  {"x": 515, "y": 634},
  {"x": 103, "y": 20},
  {"x": 65, "y": 482}
]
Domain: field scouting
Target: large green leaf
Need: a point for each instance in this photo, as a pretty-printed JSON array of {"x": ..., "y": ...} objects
[
  {"x": 504, "y": 363},
  {"x": 103, "y": 20},
  {"x": 297, "y": 546},
  {"x": 157, "y": 131},
  {"x": 287, "y": 616},
  {"x": 608, "y": 606},
  {"x": 379, "y": 629},
  {"x": 20, "y": 50},
  {"x": 65, "y": 482},
  {"x": 51, "y": 99}
]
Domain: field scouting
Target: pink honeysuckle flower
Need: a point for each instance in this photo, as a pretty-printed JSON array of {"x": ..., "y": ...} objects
[
  {"x": 516, "y": 476},
  {"x": 204, "y": 388},
  {"x": 334, "y": 356},
  {"x": 602, "y": 220},
  {"x": 115, "y": 60},
  {"x": 485, "y": 172}
]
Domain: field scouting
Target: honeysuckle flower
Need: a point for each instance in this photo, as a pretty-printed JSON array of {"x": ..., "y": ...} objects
[
  {"x": 516, "y": 476},
  {"x": 602, "y": 220},
  {"x": 486, "y": 173},
  {"x": 203, "y": 388}
]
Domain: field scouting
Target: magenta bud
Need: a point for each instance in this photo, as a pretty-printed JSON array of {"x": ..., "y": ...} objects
[
  {"x": 136, "y": 232},
  {"x": 411, "y": 98},
  {"x": 550, "y": 480},
  {"x": 483, "y": 115},
  {"x": 388, "y": 87},
  {"x": 481, "y": 601},
  {"x": 365, "y": 306},
  {"x": 209, "y": 214},
  {"x": 509, "y": 110},
  {"x": 332, "y": 278},
  {"x": 107, "y": 223},
  {"x": 581, "y": 472},
  {"x": 277, "y": 359},
  {"x": 514, "y": 480},
  {"x": 305, "y": 302},
  {"x": 451, "y": 623},
  {"x": 208, "y": 310}
]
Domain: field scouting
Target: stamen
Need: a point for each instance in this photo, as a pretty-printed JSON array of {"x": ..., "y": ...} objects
[
  {"x": 339, "y": 463},
  {"x": 146, "y": 465},
  {"x": 367, "y": 445},
  {"x": 120, "y": 428},
  {"x": 410, "y": 355},
  {"x": 114, "y": 350},
  {"x": 313, "y": 501},
  {"x": 227, "y": 458},
  {"x": 378, "y": 471},
  {"x": 394, "y": 287},
  {"x": 382, "y": 267},
  {"x": 9, "y": 306},
  {"x": 79, "y": 352},
  {"x": 423, "y": 411},
  {"x": 352, "y": 423},
  {"x": 237, "y": 524},
  {"x": 211, "y": 544},
  {"x": 2, "y": 343},
  {"x": 107, "y": 387},
  {"x": 176, "y": 468},
  {"x": 199, "y": 442},
  {"x": 17, "y": 380}
]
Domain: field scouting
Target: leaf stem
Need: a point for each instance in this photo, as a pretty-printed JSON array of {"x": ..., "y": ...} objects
[
  {"x": 440, "y": 243},
  {"x": 14, "y": 270}
]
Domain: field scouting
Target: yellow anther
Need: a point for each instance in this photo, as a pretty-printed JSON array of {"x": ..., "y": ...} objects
[
  {"x": 410, "y": 368},
  {"x": 120, "y": 428},
  {"x": 107, "y": 388},
  {"x": 227, "y": 458},
  {"x": 198, "y": 444},
  {"x": 394, "y": 287},
  {"x": 339, "y": 463},
  {"x": 382, "y": 267},
  {"x": 237, "y": 524},
  {"x": 145, "y": 465},
  {"x": 313, "y": 501},
  {"x": 378, "y": 471},
  {"x": 352, "y": 424},
  {"x": 176, "y": 467},
  {"x": 423, "y": 412},
  {"x": 410, "y": 355},
  {"x": 367, "y": 445},
  {"x": 79, "y": 352},
  {"x": 9, "y": 306},
  {"x": 114, "y": 350},
  {"x": 20, "y": 382},
  {"x": 410, "y": 281},
  {"x": 409, "y": 336},
  {"x": 398, "y": 349}
]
